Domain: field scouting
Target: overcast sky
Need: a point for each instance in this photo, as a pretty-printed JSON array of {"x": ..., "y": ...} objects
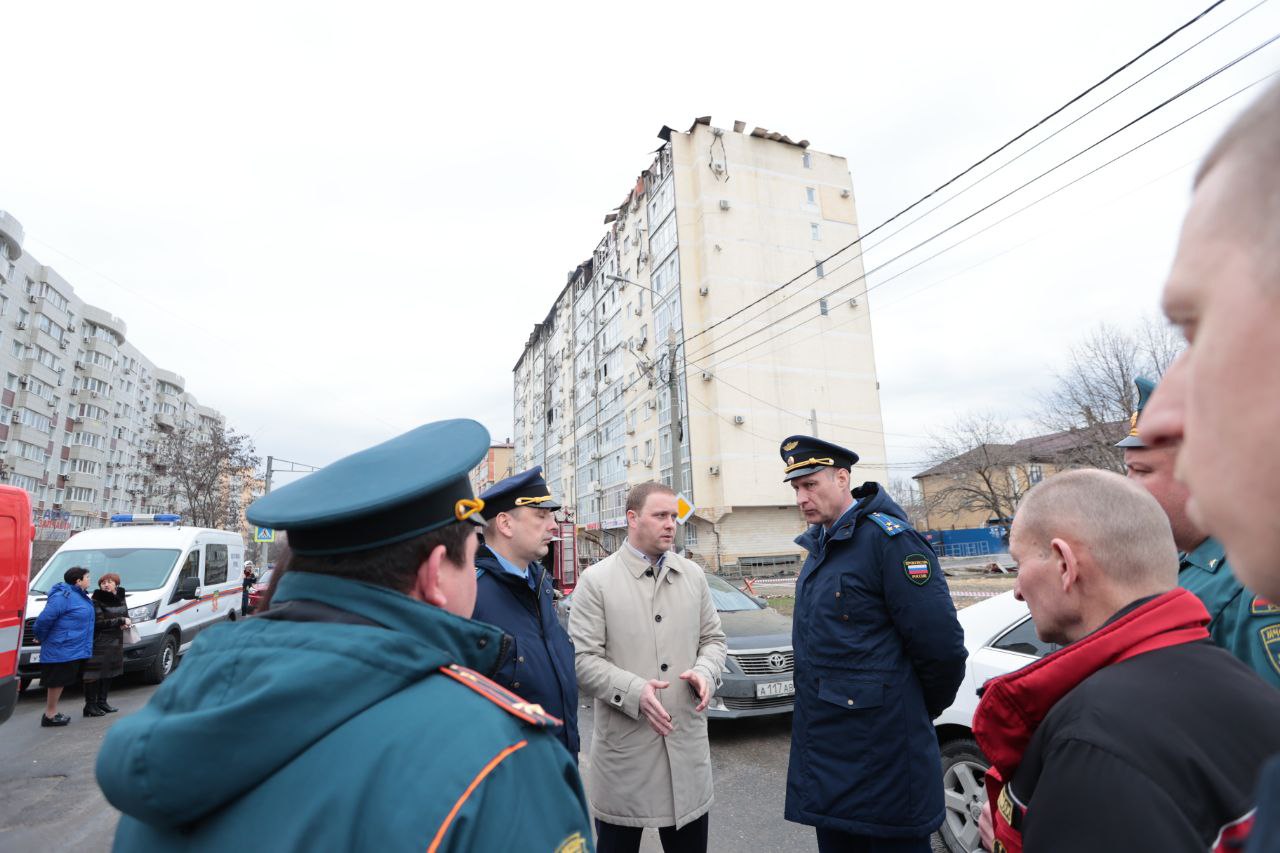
[{"x": 338, "y": 221}]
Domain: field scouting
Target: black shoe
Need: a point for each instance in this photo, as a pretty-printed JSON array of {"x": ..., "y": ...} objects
[
  {"x": 105, "y": 708},
  {"x": 94, "y": 711},
  {"x": 56, "y": 720}
]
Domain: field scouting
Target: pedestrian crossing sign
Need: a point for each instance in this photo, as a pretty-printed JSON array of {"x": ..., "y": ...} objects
[{"x": 264, "y": 534}]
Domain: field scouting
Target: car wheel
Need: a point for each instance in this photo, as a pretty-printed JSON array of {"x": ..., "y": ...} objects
[
  {"x": 166, "y": 660},
  {"x": 964, "y": 768}
]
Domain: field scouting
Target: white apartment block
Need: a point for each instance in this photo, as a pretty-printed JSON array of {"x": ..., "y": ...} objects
[
  {"x": 716, "y": 224},
  {"x": 80, "y": 405}
]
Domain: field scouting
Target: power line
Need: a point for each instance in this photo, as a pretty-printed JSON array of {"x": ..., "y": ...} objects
[
  {"x": 970, "y": 168},
  {"x": 1023, "y": 186},
  {"x": 999, "y": 221},
  {"x": 862, "y": 248}
]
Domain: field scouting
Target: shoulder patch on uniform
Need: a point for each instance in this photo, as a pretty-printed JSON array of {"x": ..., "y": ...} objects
[
  {"x": 888, "y": 523},
  {"x": 501, "y": 696},
  {"x": 1270, "y": 636},
  {"x": 573, "y": 844},
  {"x": 917, "y": 568},
  {"x": 1261, "y": 607}
]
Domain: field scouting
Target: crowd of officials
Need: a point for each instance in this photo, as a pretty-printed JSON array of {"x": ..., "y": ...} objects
[{"x": 409, "y": 687}]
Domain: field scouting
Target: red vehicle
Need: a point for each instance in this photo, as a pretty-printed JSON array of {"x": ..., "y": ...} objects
[
  {"x": 258, "y": 591},
  {"x": 16, "y": 535}
]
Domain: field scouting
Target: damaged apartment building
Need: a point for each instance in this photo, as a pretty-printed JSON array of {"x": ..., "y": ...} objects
[{"x": 694, "y": 256}]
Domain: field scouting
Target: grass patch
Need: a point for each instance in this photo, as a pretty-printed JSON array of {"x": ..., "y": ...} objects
[{"x": 784, "y": 604}]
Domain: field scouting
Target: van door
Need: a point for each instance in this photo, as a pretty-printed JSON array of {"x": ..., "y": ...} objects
[
  {"x": 216, "y": 568},
  {"x": 187, "y": 612}
]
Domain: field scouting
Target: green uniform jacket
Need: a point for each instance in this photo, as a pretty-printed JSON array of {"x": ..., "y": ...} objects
[
  {"x": 309, "y": 735},
  {"x": 1243, "y": 623}
]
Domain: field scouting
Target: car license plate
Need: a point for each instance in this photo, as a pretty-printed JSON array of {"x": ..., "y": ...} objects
[
  {"x": 775, "y": 688},
  {"x": 35, "y": 658}
]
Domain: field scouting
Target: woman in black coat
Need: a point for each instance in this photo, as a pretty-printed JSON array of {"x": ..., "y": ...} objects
[{"x": 112, "y": 617}]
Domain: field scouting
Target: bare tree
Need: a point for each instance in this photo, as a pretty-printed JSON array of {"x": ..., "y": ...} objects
[
  {"x": 907, "y": 493},
  {"x": 198, "y": 473},
  {"x": 979, "y": 466},
  {"x": 1093, "y": 398}
]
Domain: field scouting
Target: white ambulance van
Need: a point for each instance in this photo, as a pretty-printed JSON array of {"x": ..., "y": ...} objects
[{"x": 179, "y": 580}]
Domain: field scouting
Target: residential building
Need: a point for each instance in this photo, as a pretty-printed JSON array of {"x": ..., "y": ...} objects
[
  {"x": 495, "y": 466},
  {"x": 984, "y": 485},
  {"x": 80, "y": 406},
  {"x": 693, "y": 260}
]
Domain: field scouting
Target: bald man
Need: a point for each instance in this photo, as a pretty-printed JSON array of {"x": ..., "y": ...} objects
[
  {"x": 1220, "y": 400},
  {"x": 1140, "y": 733}
]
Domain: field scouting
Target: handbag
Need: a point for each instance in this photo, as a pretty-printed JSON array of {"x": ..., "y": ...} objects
[{"x": 131, "y": 636}]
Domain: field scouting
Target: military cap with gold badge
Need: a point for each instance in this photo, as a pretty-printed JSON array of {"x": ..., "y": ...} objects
[
  {"x": 805, "y": 454},
  {"x": 1146, "y": 388},
  {"x": 410, "y": 485},
  {"x": 527, "y": 488}
]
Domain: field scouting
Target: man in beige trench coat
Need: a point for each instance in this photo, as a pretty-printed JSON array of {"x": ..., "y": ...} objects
[{"x": 649, "y": 647}]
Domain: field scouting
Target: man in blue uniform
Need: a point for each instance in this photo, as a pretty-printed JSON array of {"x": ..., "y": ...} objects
[
  {"x": 513, "y": 591},
  {"x": 879, "y": 653},
  {"x": 1241, "y": 621},
  {"x": 249, "y": 742}
]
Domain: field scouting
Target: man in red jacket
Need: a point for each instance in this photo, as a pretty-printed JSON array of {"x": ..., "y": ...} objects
[{"x": 1140, "y": 733}]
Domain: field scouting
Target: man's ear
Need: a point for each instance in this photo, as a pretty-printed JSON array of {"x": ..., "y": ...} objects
[
  {"x": 1067, "y": 562},
  {"x": 426, "y": 583}
]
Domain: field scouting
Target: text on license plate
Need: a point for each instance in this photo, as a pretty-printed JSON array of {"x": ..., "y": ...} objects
[
  {"x": 775, "y": 688},
  {"x": 35, "y": 657}
]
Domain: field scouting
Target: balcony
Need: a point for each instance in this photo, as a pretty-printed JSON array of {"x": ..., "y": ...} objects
[
  {"x": 10, "y": 235},
  {"x": 106, "y": 320},
  {"x": 172, "y": 378}
]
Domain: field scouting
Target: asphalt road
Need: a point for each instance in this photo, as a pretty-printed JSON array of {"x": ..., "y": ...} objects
[
  {"x": 749, "y": 766},
  {"x": 50, "y": 801}
]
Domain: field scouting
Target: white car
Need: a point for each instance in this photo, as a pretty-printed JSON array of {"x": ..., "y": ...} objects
[{"x": 1001, "y": 638}]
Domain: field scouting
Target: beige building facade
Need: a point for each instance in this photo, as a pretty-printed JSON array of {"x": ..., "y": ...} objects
[
  {"x": 695, "y": 255},
  {"x": 495, "y": 466},
  {"x": 80, "y": 405}
]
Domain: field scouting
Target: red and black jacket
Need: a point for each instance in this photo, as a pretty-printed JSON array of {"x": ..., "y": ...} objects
[{"x": 1141, "y": 736}]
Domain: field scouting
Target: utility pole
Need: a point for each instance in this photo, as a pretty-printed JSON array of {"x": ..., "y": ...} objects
[
  {"x": 677, "y": 426},
  {"x": 263, "y": 547},
  {"x": 293, "y": 468},
  {"x": 813, "y": 422}
]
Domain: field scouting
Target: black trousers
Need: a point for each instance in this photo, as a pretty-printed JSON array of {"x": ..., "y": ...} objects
[
  {"x": 691, "y": 838},
  {"x": 835, "y": 841}
]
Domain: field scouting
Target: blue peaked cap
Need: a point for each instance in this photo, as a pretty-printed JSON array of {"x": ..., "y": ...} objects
[
  {"x": 410, "y": 485},
  {"x": 528, "y": 488}
]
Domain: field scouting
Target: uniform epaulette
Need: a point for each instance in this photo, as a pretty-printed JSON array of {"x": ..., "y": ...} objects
[
  {"x": 888, "y": 523},
  {"x": 501, "y": 696}
]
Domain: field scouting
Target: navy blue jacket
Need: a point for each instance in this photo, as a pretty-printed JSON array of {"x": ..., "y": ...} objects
[
  {"x": 65, "y": 626},
  {"x": 879, "y": 654},
  {"x": 539, "y": 667}
]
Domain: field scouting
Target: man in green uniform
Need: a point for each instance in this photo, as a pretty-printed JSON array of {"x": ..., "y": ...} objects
[
  {"x": 1242, "y": 622},
  {"x": 355, "y": 712}
]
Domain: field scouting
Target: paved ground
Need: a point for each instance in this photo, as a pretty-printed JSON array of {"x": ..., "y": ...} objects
[
  {"x": 48, "y": 797},
  {"x": 749, "y": 764},
  {"x": 49, "y": 800}
]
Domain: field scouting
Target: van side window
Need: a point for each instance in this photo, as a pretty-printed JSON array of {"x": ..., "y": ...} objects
[
  {"x": 215, "y": 564},
  {"x": 190, "y": 570}
]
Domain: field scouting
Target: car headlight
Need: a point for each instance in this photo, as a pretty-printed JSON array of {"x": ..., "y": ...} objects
[{"x": 144, "y": 613}]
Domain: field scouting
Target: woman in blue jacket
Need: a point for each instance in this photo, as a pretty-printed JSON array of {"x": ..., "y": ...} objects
[{"x": 65, "y": 632}]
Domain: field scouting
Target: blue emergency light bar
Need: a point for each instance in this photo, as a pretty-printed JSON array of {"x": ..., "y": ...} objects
[{"x": 146, "y": 518}]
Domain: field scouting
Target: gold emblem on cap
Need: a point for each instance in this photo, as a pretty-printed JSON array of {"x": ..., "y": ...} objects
[{"x": 790, "y": 446}]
